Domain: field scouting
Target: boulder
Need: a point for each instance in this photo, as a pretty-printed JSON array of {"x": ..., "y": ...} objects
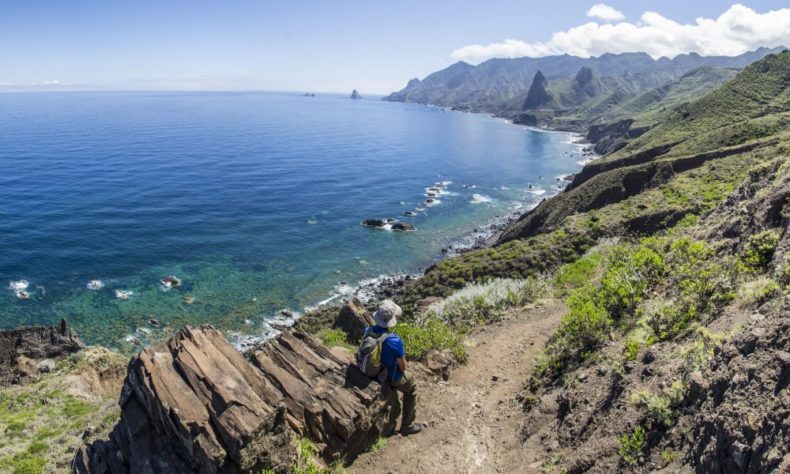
[
  {"x": 196, "y": 404},
  {"x": 403, "y": 226},
  {"x": 374, "y": 222},
  {"x": 22, "y": 349},
  {"x": 353, "y": 319},
  {"x": 439, "y": 362}
]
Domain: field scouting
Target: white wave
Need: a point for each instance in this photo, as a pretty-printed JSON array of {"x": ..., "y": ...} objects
[
  {"x": 123, "y": 294},
  {"x": 434, "y": 202},
  {"x": 169, "y": 282},
  {"x": 95, "y": 285},
  {"x": 19, "y": 285},
  {"x": 480, "y": 198},
  {"x": 537, "y": 192}
]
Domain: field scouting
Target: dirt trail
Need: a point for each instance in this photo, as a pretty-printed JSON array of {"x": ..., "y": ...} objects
[{"x": 473, "y": 419}]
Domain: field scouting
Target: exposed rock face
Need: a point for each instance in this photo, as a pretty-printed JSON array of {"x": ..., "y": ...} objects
[
  {"x": 355, "y": 95},
  {"x": 353, "y": 319},
  {"x": 195, "y": 404},
  {"x": 610, "y": 137},
  {"x": 741, "y": 400},
  {"x": 23, "y": 350},
  {"x": 586, "y": 83},
  {"x": 538, "y": 94},
  {"x": 328, "y": 399}
]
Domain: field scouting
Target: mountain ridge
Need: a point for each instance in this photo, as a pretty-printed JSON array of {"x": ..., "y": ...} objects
[{"x": 489, "y": 85}]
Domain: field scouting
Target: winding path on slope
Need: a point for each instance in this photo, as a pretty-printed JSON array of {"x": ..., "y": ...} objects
[{"x": 474, "y": 420}]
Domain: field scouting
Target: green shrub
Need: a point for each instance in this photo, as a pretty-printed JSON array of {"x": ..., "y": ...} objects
[
  {"x": 335, "y": 337},
  {"x": 581, "y": 331},
  {"x": 433, "y": 334},
  {"x": 577, "y": 274},
  {"x": 73, "y": 408},
  {"x": 631, "y": 349},
  {"x": 757, "y": 292},
  {"x": 783, "y": 271},
  {"x": 631, "y": 446},
  {"x": 630, "y": 273},
  {"x": 23, "y": 463},
  {"x": 760, "y": 248},
  {"x": 702, "y": 349},
  {"x": 305, "y": 460},
  {"x": 695, "y": 284},
  {"x": 662, "y": 407}
]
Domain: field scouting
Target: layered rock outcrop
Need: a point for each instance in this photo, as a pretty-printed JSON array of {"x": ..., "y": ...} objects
[
  {"x": 22, "y": 350},
  {"x": 196, "y": 404},
  {"x": 353, "y": 319}
]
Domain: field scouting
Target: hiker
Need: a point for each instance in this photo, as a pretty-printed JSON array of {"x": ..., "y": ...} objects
[{"x": 381, "y": 355}]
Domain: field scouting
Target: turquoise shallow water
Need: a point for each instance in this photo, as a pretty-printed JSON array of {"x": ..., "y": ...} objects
[{"x": 254, "y": 200}]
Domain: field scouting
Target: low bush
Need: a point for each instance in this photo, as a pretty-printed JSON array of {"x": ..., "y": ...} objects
[
  {"x": 581, "y": 331},
  {"x": 662, "y": 407},
  {"x": 631, "y": 349},
  {"x": 487, "y": 302},
  {"x": 632, "y": 445},
  {"x": 333, "y": 337},
  {"x": 305, "y": 460},
  {"x": 756, "y": 292},
  {"x": 759, "y": 249},
  {"x": 433, "y": 334},
  {"x": 695, "y": 284},
  {"x": 576, "y": 274}
]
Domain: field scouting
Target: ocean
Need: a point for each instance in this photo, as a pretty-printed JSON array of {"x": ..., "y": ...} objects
[{"x": 252, "y": 200}]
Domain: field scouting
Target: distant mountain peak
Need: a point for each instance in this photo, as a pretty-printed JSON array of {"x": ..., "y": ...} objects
[{"x": 538, "y": 92}]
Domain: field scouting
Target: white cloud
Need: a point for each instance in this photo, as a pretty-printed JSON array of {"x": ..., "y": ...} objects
[
  {"x": 736, "y": 31},
  {"x": 605, "y": 12}
]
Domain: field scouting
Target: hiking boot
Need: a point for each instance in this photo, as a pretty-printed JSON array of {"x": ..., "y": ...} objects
[{"x": 410, "y": 430}]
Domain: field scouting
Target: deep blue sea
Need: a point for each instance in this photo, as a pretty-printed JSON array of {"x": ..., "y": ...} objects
[{"x": 253, "y": 200}]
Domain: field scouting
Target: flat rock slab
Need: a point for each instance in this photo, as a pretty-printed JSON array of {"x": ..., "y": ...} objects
[{"x": 196, "y": 404}]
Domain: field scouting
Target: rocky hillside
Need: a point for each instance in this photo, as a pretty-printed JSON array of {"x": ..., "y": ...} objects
[
  {"x": 673, "y": 257},
  {"x": 53, "y": 391},
  {"x": 669, "y": 347}
]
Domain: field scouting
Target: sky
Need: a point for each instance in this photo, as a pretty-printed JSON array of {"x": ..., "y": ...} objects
[{"x": 336, "y": 46}]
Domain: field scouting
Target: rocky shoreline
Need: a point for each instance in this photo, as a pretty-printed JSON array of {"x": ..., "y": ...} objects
[{"x": 370, "y": 291}]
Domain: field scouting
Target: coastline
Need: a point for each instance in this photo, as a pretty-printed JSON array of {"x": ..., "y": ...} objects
[{"x": 377, "y": 288}]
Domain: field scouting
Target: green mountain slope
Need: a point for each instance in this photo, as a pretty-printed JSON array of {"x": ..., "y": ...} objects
[
  {"x": 683, "y": 166},
  {"x": 489, "y": 86}
]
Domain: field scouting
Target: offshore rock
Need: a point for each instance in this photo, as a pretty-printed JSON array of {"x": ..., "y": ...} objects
[
  {"x": 196, "y": 404},
  {"x": 23, "y": 350},
  {"x": 403, "y": 226}
]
